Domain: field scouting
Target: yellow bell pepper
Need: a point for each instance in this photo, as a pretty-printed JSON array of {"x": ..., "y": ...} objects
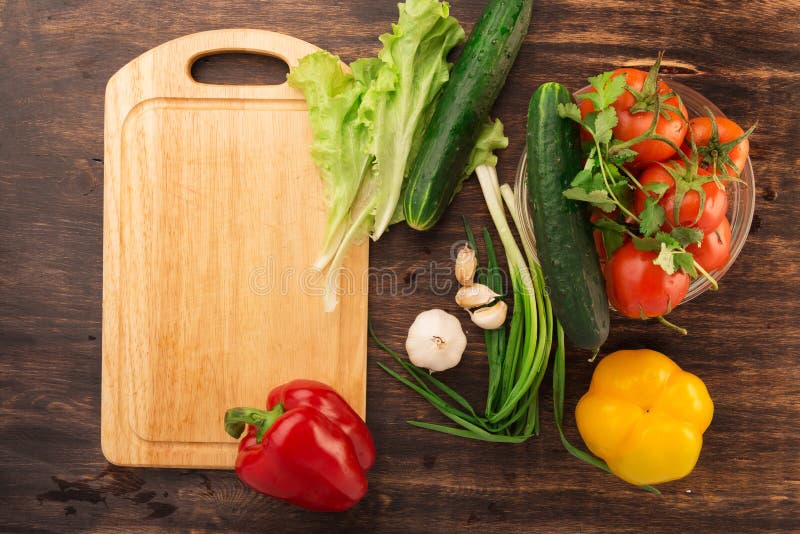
[{"x": 644, "y": 416}]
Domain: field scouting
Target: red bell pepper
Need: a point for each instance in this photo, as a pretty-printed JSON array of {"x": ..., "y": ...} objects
[{"x": 309, "y": 448}]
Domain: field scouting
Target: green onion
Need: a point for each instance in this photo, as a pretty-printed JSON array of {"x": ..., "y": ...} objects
[
  {"x": 495, "y": 339},
  {"x": 517, "y": 353}
]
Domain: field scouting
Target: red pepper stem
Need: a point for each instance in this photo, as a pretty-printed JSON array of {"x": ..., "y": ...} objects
[{"x": 237, "y": 418}]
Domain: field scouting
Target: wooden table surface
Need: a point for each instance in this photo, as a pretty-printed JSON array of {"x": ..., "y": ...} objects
[{"x": 56, "y": 57}]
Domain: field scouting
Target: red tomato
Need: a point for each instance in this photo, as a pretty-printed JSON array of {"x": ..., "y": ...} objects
[
  {"x": 637, "y": 287},
  {"x": 713, "y": 212},
  {"x": 714, "y": 250},
  {"x": 632, "y": 124},
  {"x": 727, "y": 132}
]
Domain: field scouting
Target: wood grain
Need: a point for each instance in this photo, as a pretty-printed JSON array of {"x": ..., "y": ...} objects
[
  {"x": 214, "y": 214},
  {"x": 56, "y": 58}
]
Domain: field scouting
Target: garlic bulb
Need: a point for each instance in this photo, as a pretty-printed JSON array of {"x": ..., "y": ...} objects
[
  {"x": 469, "y": 297},
  {"x": 466, "y": 264},
  {"x": 492, "y": 317},
  {"x": 435, "y": 341}
]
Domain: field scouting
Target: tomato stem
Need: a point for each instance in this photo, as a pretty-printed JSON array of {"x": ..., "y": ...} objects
[
  {"x": 633, "y": 178},
  {"x": 680, "y": 330},
  {"x": 714, "y": 285},
  {"x": 647, "y": 97}
]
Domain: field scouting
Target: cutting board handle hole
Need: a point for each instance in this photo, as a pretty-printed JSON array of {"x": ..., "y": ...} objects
[{"x": 237, "y": 68}]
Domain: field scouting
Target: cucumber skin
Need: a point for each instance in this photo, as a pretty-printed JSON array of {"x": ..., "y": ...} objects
[
  {"x": 561, "y": 226},
  {"x": 475, "y": 82}
]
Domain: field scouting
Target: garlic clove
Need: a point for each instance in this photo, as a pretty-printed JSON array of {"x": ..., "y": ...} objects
[
  {"x": 435, "y": 341},
  {"x": 476, "y": 295},
  {"x": 466, "y": 264},
  {"x": 492, "y": 317}
]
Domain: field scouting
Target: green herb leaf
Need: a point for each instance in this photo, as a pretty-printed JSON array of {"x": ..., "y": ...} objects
[
  {"x": 606, "y": 90},
  {"x": 598, "y": 198},
  {"x": 685, "y": 262},
  {"x": 652, "y": 217},
  {"x": 614, "y": 173},
  {"x": 598, "y": 83},
  {"x": 667, "y": 239},
  {"x": 569, "y": 111},
  {"x": 607, "y": 224},
  {"x": 591, "y": 157},
  {"x": 622, "y": 190},
  {"x": 685, "y": 236},
  {"x": 583, "y": 180},
  {"x": 657, "y": 188},
  {"x": 589, "y": 179},
  {"x": 604, "y": 122},
  {"x": 599, "y": 184},
  {"x": 622, "y": 156},
  {"x": 666, "y": 259},
  {"x": 671, "y": 255},
  {"x": 612, "y": 233},
  {"x": 647, "y": 244},
  {"x": 611, "y": 241}
]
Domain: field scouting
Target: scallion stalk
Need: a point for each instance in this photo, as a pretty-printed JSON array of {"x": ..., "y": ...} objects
[{"x": 517, "y": 353}]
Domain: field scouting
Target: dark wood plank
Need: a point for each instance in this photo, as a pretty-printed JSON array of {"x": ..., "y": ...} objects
[{"x": 56, "y": 58}]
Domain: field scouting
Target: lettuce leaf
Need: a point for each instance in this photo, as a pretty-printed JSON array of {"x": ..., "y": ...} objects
[
  {"x": 415, "y": 68},
  {"x": 339, "y": 146},
  {"x": 368, "y": 124}
]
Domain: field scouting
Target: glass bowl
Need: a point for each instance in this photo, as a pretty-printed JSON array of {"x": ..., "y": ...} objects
[{"x": 741, "y": 195}]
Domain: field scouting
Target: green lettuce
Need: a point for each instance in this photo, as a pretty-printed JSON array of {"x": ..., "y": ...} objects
[
  {"x": 415, "y": 68},
  {"x": 368, "y": 122},
  {"x": 339, "y": 145}
]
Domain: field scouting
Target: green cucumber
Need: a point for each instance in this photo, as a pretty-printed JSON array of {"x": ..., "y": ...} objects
[
  {"x": 561, "y": 226},
  {"x": 475, "y": 82}
]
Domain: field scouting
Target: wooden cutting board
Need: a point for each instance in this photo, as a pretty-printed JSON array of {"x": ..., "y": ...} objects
[{"x": 213, "y": 215}]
